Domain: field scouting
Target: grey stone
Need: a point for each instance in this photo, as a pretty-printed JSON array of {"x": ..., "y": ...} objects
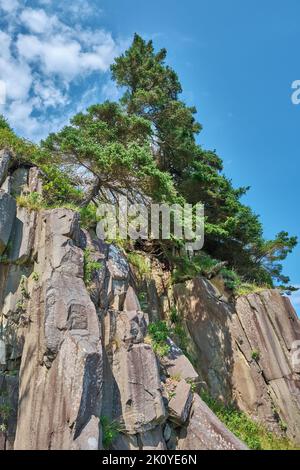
[
  {"x": 19, "y": 180},
  {"x": 225, "y": 337},
  {"x": 7, "y": 216},
  {"x": 90, "y": 436},
  {"x": 131, "y": 302},
  {"x": 180, "y": 404},
  {"x": 5, "y": 162},
  {"x": 62, "y": 353},
  {"x": 167, "y": 432},
  {"x": 176, "y": 364},
  {"x": 22, "y": 236},
  {"x": 152, "y": 440},
  {"x": 136, "y": 374},
  {"x": 206, "y": 432}
]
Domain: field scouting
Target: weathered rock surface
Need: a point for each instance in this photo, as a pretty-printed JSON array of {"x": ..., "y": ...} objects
[
  {"x": 7, "y": 217},
  {"x": 206, "y": 432},
  {"x": 73, "y": 348},
  {"x": 176, "y": 364},
  {"x": 62, "y": 354},
  {"x": 5, "y": 161},
  {"x": 180, "y": 403},
  {"x": 245, "y": 351}
]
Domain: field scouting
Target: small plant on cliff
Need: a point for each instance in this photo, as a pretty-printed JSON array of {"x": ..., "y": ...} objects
[
  {"x": 256, "y": 436},
  {"x": 88, "y": 216},
  {"x": 231, "y": 279},
  {"x": 140, "y": 263},
  {"x": 143, "y": 300},
  {"x": 24, "y": 292},
  {"x": 255, "y": 356},
  {"x": 159, "y": 333},
  {"x": 31, "y": 201},
  {"x": 174, "y": 315},
  {"x": 35, "y": 276},
  {"x": 90, "y": 267},
  {"x": 5, "y": 411},
  {"x": 246, "y": 288},
  {"x": 187, "y": 268},
  {"x": 110, "y": 431}
]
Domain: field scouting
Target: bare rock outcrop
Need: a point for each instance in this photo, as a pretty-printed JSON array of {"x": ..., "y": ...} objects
[
  {"x": 7, "y": 217},
  {"x": 245, "y": 351},
  {"x": 62, "y": 353},
  {"x": 206, "y": 432},
  {"x": 74, "y": 354}
]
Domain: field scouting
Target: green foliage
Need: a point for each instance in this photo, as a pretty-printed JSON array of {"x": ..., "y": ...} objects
[
  {"x": 35, "y": 202},
  {"x": 140, "y": 263},
  {"x": 159, "y": 333},
  {"x": 23, "y": 288},
  {"x": 88, "y": 216},
  {"x": 246, "y": 288},
  {"x": 145, "y": 147},
  {"x": 143, "y": 300},
  {"x": 231, "y": 279},
  {"x": 110, "y": 431},
  {"x": 5, "y": 411},
  {"x": 90, "y": 267},
  {"x": 115, "y": 151},
  {"x": 31, "y": 201},
  {"x": 174, "y": 316},
  {"x": 151, "y": 92},
  {"x": 4, "y": 124},
  {"x": 256, "y": 436},
  {"x": 35, "y": 276},
  {"x": 59, "y": 188},
  {"x": 187, "y": 268},
  {"x": 255, "y": 355},
  {"x": 180, "y": 337},
  {"x": 233, "y": 232}
]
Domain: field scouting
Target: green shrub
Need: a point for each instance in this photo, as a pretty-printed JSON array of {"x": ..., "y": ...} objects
[
  {"x": 246, "y": 288},
  {"x": 88, "y": 216},
  {"x": 255, "y": 436},
  {"x": 32, "y": 201},
  {"x": 5, "y": 411},
  {"x": 188, "y": 268},
  {"x": 255, "y": 355},
  {"x": 35, "y": 276},
  {"x": 143, "y": 300},
  {"x": 174, "y": 316},
  {"x": 231, "y": 279},
  {"x": 90, "y": 267},
  {"x": 159, "y": 333},
  {"x": 140, "y": 263},
  {"x": 110, "y": 431}
]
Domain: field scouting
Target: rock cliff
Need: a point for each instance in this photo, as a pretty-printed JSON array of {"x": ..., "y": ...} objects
[
  {"x": 75, "y": 357},
  {"x": 244, "y": 351}
]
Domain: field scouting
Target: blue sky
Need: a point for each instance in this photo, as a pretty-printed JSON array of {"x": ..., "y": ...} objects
[{"x": 236, "y": 60}]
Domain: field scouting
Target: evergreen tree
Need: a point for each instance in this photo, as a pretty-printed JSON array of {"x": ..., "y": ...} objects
[{"x": 146, "y": 148}]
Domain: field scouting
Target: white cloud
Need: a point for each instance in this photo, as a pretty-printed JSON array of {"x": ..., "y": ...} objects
[
  {"x": 9, "y": 6},
  {"x": 42, "y": 57},
  {"x": 295, "y": 297},
  {"x": 16, "y": 74},
  {"x": 37, "y": 21},
  {"x": 110, "y": 91},
  {"x": 81, "y": 7}
]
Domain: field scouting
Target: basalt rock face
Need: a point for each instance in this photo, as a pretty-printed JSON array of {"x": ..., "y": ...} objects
[
  {"x": 246, "y": 351},
  {"x": 74, "y": 358}
]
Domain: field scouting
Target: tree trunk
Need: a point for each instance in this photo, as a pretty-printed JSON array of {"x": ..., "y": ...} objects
[{"x": 92, "y": 192}]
